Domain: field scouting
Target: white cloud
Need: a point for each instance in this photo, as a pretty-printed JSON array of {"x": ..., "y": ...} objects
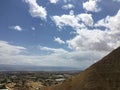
[
  {"x": 33, "y": 28},
  {"x": 54, "y": 1},
  {"x": 58, "y": 40},
  {"x": 79, "y": 59},
  {"x": 7, "y": 49},
  {"x": 75, "y": 21},
  {"x": 117, "y": 0},
  {"x": 86, "y": 19},
  {"x": 17, "y": 27},
  {"x": 52, "y": 49},
  {"x": 36, "y": 10},
  {"x": 66, "y": 20},
  {"x": 89, "y": 40},
  {"x": 97, "y": 39},
  {"x": 71, "y": 12},
  {"x": 94, "y": 40},
  {"x": 110, "y": 22},
  {"x": 68, "y": 6},
  {"x": 13, "y": 55},
  {"x": 91, "y": 5}
]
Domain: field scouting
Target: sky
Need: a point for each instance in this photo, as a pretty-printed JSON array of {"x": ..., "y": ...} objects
[{"x": 65, "y": 33}]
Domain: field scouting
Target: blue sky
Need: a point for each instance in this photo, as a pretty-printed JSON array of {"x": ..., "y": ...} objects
[{"x": 71, "y": 33}]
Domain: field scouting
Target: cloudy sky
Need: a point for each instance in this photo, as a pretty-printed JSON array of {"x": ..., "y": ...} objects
[{"x": 71, "y": 33}]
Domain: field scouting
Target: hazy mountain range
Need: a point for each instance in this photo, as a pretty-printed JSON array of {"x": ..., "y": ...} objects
[{"x": 34, "y": 68}]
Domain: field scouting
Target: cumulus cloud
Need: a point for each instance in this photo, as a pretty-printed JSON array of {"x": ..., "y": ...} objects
[
  {"x": 54, "y": 1},
  {"x": 36, "y": 10},
  {"x": 86, "y": 19},
  {"x": 91, "y": 5},
  {"x": 89, "y": 40},
  {"x": 58, "y": 40},
  {"x": 75, "y": 21},
  {"x": 17, "y": 27},
  {"x": 110, "y": 22},
  {"x": 66, "y": 20},
  {"x": 98, "y": 39},
  {"x": 68, "y": 6}
]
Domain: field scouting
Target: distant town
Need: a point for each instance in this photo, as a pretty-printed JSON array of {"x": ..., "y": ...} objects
[{"x": 13, "y": 80}]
